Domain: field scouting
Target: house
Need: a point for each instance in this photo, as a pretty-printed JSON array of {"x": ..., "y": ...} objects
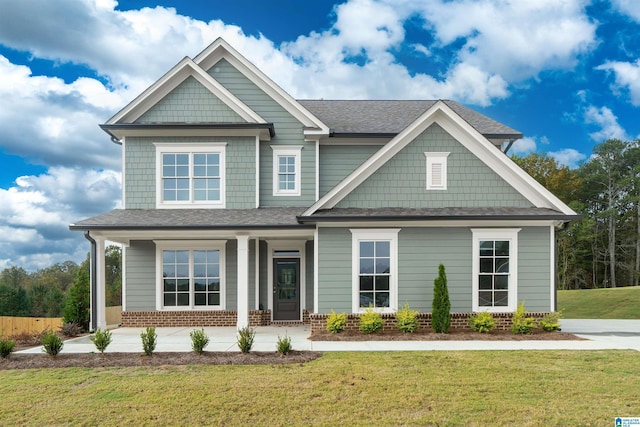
[{"x": 244, "y": 206}]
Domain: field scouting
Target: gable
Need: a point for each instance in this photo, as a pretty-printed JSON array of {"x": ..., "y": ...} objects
[
  {"x": 190, "y": 102},
  {"x": 402, "y": 180}
]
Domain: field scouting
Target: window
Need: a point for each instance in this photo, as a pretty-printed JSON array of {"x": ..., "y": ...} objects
[
  {"x": 190, "y": 277},
  {"x": 190, "y": 174},
  {"x": 495, "y": 265},
  {"x": 436, "y": 171},
  {"x": 375, "y": 269},
  {"x": 286, "y": 170}
]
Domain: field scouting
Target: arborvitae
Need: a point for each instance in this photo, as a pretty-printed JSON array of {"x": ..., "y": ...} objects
[{"x": 441, "y": 306}]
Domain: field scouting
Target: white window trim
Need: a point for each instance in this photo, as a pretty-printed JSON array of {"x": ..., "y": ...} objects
[
  {"x": 433, "y": 158},
  {"x": 163, "y": 245},
  {"x": 209, "y": 147},
  {"x": 289, "y": 151},
  {"x": 510, "y": 234},
  {"x": 358, "y": 235}
]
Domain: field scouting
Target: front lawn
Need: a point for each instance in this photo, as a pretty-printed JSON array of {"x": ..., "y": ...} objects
[
  {"x": 524, "y": 388},
  {"x": 617, "y": 303}
]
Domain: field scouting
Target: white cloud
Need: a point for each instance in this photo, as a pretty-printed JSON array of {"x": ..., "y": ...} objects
[
  {"x": 568, "y": 157},
  {"x": 524, "y": 146},
  {"x": 604, "y": 118},
  {"x": 627, "y": 77},
  {"x": 630, "y": 8}
]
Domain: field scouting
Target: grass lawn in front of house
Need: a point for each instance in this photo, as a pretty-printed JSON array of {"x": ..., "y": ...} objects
[{"x": 616, "y": 303}]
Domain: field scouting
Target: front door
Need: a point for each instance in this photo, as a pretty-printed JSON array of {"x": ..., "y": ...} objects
[{"x": 286, "y": 289}]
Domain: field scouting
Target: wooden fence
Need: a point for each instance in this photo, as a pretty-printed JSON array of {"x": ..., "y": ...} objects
[{"x": 27, "y": 325}]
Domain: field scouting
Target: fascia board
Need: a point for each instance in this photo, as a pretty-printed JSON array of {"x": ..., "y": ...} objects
[
  {"x": 220, "y": 49},
  {"x": 170, "y": 81}
]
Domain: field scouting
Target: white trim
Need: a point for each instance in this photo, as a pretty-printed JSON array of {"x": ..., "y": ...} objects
[
  {"x": 123, "y": 296},
  {"x": 433, "y": 159},
  {"x": 257, "y": 172},
  {"x": 464, "y": 133},
  {"x": 257, "y": 274},
  {"x": 360, "y": 234},
  {"x": 242, "y": 269},
  {"x": 510, "y": 234},
  {"x": 316, "y": 288},
  {"x": 553, "y": 263},
  {"x": 294, "y": 151},
  {"x": 286, "y": 245},
  {"x": 191, "y": 148},
  {"x": 123, "y": 174},
  {"x": 317, "y": 166},
  {"x": 190, "y": 245}
]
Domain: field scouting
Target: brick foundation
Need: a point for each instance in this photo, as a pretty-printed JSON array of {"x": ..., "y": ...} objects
[
  {"x": 458, "y": 321},
  {"x": 141, "y": 319}
]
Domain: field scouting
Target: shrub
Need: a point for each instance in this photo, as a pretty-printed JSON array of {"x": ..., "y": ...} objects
[
  {"x": 336, "y": 322},
  {"x": 407, "y": 319},
  {"x": 371, "y": 321},
  {"x": 284, "y": 345},
  {"x": 441, "y": 306},
  {"x": 199, "y": 340},
  {"x": 52, "y": 344},
  {"x": 551, "y": 322},
  {"x": 246, "y": 336},
  {"x": 101, "y": 339},
  {"x": 149, "y": 340},
  {"x": 482, "y": 322},
  {"x": 6, "y": 347},
  {"x": 520, "y": 323},
  {"x": 70, "y": 329},
  {"x": 76, "y": 308}
]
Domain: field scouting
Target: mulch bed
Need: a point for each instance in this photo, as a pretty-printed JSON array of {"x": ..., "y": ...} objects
[{"x": 453, "y": 335}]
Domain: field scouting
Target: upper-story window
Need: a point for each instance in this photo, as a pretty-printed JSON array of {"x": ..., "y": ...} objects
[
  {"x": 436, "y": 171},
  {"x": 190, "y": 174},
  {"x": 286, "y": 170}
]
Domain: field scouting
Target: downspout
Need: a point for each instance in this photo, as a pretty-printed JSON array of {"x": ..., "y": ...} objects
[
  {"x": 93, "y": 262},
  {"x": 506, "y": 150},
  {"x": 116, "y": 140}
]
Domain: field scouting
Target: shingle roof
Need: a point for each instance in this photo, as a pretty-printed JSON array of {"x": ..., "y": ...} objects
[
  {"x": 391, "y": 117},
  {"x": 210, "y": 219}
]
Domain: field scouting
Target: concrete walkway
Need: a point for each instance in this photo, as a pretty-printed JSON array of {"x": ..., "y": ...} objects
[{"x": 599, "y": 335}]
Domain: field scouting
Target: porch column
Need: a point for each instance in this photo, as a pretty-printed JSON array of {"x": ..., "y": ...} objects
[
  {"x": 243, "y": 281},
  {"x": 100, "y": 299}
]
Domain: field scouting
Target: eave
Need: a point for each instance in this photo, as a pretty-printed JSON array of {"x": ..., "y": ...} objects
[{"x": 265, "y": 131}]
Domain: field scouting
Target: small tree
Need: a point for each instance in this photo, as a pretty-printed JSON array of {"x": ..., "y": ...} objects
[
  {"x": 76, "y": 308},
  {"x": 441, "y": 306}
]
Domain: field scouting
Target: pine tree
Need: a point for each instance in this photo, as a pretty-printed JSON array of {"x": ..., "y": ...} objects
[
  {"x": 441, "y": 306},
  {"x": 76, "y": 309}
]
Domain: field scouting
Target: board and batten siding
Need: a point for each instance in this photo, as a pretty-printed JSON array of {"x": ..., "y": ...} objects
[
  {"x": 401, "y": 181},
  {"x": 140, "y": 170},
  {"x": 420, "y": 251},
  {"x": 288, "y": 131},
  {"x": 338, "y": 161}
]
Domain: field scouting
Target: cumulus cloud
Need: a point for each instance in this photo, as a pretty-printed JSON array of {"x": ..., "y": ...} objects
[
  {"x": 604, "y": 118},
  {"x": 627, "y": 78},
  {"x": 568, "y": 157},
  {"x": 631, "y": 8},
  {"x": 524, "y": 146}
]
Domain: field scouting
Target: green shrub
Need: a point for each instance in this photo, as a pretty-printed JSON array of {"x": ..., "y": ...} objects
[
  {"x": 551, "y": 322},
  {"x": 371, "y": 321},
  {"x": 407, "y": 319},
  {"x": 246, "y": 336},
  {"x": 199, "y": 340},
  {"x": 101, "y": 339},
  {"x": 284, "y": 345},
  {"x": 482, "y": 322},
  {"x": 521, "y": 324},
  {"x": 76, "y": 308},
  {"x": 441, "y": 306},
  {"x": 6, "y": 347},
  {"x": 149, "y": 340},
  {"x": 70, "y": 329},
  {"x": 52, "y": 344},
  {"x": 336, "y": 322}
]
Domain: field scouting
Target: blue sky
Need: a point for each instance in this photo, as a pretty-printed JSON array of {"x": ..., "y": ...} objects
[{"x": 564, "y": 73}]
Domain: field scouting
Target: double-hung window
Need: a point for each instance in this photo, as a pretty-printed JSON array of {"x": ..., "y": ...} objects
[
  {"x": 190, "y": 277},
  {"x": 190, "y": 174},
  {"x": 495, "y": 269},
  {"x": 286, "y": 170},
  {"x": 375, "y": 269}
]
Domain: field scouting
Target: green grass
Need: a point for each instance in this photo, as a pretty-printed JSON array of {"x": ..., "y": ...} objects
[
  {"x": 524, "y": 388},
  {"x": 618, "y": 303}
]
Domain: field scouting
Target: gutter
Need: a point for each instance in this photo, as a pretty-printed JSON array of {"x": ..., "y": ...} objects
[
  {"x": 383, "y": 218},
  {"x": 93, "y": 260}
]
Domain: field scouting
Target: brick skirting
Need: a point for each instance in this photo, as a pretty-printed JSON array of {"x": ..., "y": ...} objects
[
  {"x": 142, "y": 319},
  {"x": 458, "y": 321}
]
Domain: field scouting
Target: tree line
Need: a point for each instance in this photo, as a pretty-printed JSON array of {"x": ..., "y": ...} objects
[
  {"x": 46, "y": 292},
  {"x": 602, "y": 250}
]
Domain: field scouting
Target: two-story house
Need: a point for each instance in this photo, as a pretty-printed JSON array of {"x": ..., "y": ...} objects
[{"x": 243, "y": 205}]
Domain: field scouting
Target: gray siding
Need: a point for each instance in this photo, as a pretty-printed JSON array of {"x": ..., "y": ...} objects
[
  {"x": 231, "y": 274},
  {"x": 334, "y": 270},
  {"x": 534, "y": 268},
  {"x": 401, "y": 182},
  {"x": 141, "y": 276},
  {"x": 308, "y": 250},
  {"x": 140, "y": 170},
  {"x": 338, "y": 161},
  {"x": 190, "y": 102},
  {"x": 289, "y": 131}
]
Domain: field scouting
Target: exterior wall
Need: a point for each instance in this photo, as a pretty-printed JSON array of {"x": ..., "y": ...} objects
[
  {"x": 140, "y": 170},
  {"x": 338, "y": 161},
  {"x": 141, "y": 276},
  {"x": 141, "y": 319},
  {"x": 420, "y": 251},
  {"x": 308, "y": 250},
  {"x": 401, "y": 182},
  {"x": 264, "y": 279},
  {"x": 231, "y": 280},
  {"x": 190, "y": 102},
  {"x": 288, "y": 131}
]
